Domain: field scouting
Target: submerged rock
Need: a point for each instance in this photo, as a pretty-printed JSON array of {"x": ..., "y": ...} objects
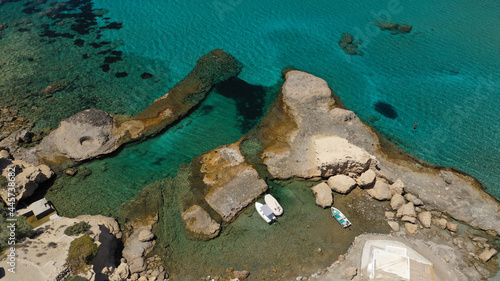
[
  {"x": 349, "y": 45},
  {"x": 394, "y": 28},
  {"x": 199, "y": 222},
  {"x": 232, "y": 182}
]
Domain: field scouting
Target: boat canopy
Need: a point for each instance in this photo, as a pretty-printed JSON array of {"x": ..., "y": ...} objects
[{"x": 267, "y": 211}]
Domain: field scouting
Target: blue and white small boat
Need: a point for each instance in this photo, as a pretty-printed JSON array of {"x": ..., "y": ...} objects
[{"x": 339, "y": 216}]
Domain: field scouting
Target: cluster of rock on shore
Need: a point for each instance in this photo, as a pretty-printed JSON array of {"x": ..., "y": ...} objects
[{"x": 306, "y": 134}]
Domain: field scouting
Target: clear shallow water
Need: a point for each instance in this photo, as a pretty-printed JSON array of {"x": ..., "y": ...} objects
[
  {"x": 270, "y": 252},
  {"x": 221, "y": 119},
  {"x": 444, "y": 75}
]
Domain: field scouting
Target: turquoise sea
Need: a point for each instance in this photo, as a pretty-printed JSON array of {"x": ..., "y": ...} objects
[
  {"x": 121, "y": 55},
  {"x": 444, "y": 75}
]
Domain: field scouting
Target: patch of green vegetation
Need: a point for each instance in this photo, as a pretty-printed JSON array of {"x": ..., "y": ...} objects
[
  {"x": 81, "y": 251},
  {"x": 77, "y": 228},
  {"x": 75, "y": 278},
  {"x": 22, "y": 229},
  {"x": 3, "y": 182}
]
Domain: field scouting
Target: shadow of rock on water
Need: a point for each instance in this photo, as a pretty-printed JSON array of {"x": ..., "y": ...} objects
[
  {"x": 250, "y": 100},
  {"x": 386, "y": 110}
]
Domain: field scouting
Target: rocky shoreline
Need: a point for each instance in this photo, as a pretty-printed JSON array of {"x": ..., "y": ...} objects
[{"x": 306, "y": 134}]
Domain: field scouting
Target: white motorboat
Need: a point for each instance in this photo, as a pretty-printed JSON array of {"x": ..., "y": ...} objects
[
  {"x": 265, "y": 212},
  {"x": 273, "y": 204}
]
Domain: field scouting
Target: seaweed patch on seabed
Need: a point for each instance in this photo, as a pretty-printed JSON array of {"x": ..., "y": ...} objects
[{"x": 45, "y": 43}]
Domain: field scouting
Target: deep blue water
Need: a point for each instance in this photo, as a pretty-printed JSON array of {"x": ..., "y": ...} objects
[{"x": 445, "y": 74}]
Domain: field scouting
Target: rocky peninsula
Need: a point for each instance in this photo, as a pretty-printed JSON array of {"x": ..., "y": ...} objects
[{"x": 307, "y": 135}]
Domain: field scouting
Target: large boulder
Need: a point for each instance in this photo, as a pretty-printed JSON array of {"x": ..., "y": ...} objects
[
  {"x": 397, "y": 201},
  {"x": 407, "y": 209},
  {"x": 231, "y": 182},
  {"x": 323, "y": 194},
  {"x": 199, "y": 222},
  {"x": 367, "y": 178},
  {"x": 425, "y": 219},
  {"x": 487, "y": 254},
  {"x": 341, "y": 183},
  {"x": 380, "y": 191}
]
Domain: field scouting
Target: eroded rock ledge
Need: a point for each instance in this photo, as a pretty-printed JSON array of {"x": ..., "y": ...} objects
[
  {"x": 305, "y": 134},
  {"x": 93, "y": 132}
]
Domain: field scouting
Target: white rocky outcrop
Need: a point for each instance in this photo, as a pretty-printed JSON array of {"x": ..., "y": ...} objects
[
  {"x": 335, "y": 155},
  {"x": 85, "y": 135},
  {"x": 27, "y": 176},
  {"x": 341, "y": 183},
  {"x": 323, "y": 194},
  {"x": 45, "y": 257},
  {"x": 135, "y": 250}
]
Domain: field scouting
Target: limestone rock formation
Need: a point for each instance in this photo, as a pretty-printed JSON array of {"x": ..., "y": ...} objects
[
  {"x": 199, "y": 222},
  {"x": 135, "y": 250},
  {"x": 341, "y": 183},
  {"x": 232, "y": 183},
  {"x": 394, "y": 225},
  {"x": 380, "y": 191},
  {"x": 397, "y": 187},
  {"x": 336, "y": 155},
  {"x": 45, "y": 254},
  {"x": 323, "y": 194},
  {"x": 84, "y": 135},
  {"x": 441, "y": 223},
  {"x": 411, "y": 228},
  {"x": 93, "y": 132},
  {"x": 487, "y": 254},
  {"x": 310, "y": 139},
  {"x": 27, "y": 177}
]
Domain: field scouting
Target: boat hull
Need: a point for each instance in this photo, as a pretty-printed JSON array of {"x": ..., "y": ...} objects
[
  {"x": 340, "y": 217},
  {"x": 273, "y": 204}
]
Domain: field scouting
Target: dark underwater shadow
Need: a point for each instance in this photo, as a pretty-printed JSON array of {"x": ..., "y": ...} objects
[{"x": 250, "y": 101}]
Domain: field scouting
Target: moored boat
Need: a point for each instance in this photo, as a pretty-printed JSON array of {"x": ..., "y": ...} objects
[
  {"x": 340, "y": 217},
  {"x": 273, "y": 204},
  {"x": 265, "y": 212}
]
